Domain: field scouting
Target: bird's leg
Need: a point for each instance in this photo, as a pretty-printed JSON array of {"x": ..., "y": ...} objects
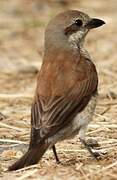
[
  {"x": 88, "y": 147},
  {"x": 55, "y": 154}
]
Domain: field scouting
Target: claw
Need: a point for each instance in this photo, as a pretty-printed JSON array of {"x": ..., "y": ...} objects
[
  {"x": 95, "y": 154},
  {"x": 92, "y": 143}
]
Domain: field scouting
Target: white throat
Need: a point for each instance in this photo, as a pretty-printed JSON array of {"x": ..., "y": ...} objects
[{"x": 76, "y": 41}]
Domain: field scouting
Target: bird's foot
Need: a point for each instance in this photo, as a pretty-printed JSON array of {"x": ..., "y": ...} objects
[
  {"x": 97, "y": 154},
  {"x": 92, "y": 143}
]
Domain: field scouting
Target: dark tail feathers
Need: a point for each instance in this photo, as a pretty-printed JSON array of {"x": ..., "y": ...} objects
[{"x": 32, "y": 156}]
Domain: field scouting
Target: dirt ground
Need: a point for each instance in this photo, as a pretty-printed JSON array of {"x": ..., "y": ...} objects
[{"x": 22, "y": 25}]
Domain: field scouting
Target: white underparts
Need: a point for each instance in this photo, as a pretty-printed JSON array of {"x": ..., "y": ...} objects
[{"x": 78, "y": 125}]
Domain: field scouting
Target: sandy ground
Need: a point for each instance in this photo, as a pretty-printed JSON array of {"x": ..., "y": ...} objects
[{"x": 22, "y": 25}]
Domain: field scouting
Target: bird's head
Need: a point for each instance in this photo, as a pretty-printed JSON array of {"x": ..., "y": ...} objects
[{"x": 70, "y": 27}]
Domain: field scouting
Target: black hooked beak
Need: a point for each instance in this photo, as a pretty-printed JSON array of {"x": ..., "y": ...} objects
[{"x": 94, "y": 23}]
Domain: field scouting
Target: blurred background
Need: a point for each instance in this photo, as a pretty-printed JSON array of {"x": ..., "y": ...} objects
[{"x": 22, "y": 26}]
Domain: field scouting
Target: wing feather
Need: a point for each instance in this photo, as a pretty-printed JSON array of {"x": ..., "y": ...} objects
[
  {"x": 49, "y": 117},
  {"x": 55, "y": 107}
]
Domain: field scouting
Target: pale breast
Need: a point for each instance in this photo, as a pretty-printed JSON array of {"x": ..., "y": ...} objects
[
  {"x": 83, "y": 118},
  {"x": 81, "y": 121}
]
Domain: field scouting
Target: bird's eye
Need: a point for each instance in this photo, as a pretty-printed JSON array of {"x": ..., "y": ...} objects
[{"x": 78, "y": 22}]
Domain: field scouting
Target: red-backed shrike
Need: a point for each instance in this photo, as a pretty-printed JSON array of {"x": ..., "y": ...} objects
[{"x": 66, "y": 92}]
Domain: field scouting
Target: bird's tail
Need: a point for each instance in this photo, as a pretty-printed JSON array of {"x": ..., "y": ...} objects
[{"x": 32, "y": 156}]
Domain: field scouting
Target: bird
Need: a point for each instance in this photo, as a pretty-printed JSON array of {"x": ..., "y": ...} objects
[{"x": 67, "y": 87}]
